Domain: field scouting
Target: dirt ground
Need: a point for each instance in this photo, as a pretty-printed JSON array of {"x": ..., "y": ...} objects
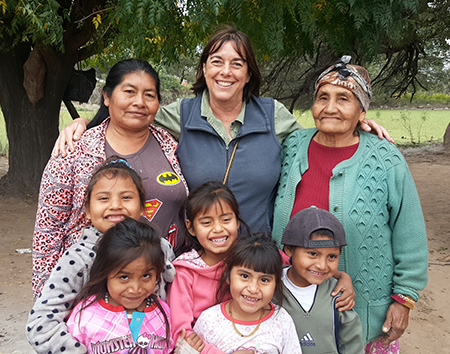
[{"x": 429, "y": 329}]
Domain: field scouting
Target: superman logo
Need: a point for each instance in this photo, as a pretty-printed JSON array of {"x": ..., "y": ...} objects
[{"x": 151, "y": 208}]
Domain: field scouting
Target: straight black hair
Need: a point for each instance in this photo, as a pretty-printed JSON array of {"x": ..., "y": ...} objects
[
  {"x": 256, "y": 251},
  {"x": 115, "y": 77},
  {"x": 200, "y": 200},
  {"x": 120, "y": 245}
]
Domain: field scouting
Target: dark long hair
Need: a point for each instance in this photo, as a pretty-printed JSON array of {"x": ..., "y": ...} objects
[
  {"x": 244, "y": 48},
  {"x": 115, "y": 77},
  {"x": 114, "y": 167},
  {"x": 256, "y": 251},
  {"x": 120, "y": 245},
  {"x": 200, "y": 200}
]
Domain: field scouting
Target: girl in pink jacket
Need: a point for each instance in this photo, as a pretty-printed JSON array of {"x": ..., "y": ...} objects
[{"x": 213, "y": 222}]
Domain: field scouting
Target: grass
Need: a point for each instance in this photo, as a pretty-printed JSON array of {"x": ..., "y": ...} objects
[
  {"x": 426, "y": 126},
  {"x": 64, "y": 120}
]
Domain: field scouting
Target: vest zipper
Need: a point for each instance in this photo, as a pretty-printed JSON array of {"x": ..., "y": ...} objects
[{"x": 229, "y": 159}]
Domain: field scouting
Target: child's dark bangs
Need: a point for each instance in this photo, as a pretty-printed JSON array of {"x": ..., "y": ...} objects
[{"x": 259, "y": 260}]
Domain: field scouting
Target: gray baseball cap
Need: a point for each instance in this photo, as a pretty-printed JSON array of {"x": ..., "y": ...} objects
[{"x": 299, "y": 229}]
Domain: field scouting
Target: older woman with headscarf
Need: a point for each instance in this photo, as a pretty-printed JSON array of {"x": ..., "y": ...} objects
[{"x": 365, "y": 182}]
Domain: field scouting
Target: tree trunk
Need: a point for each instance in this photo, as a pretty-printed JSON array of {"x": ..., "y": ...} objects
[
  {"x": 31, "y": 128},
  {"x": 447, "y": 138}
]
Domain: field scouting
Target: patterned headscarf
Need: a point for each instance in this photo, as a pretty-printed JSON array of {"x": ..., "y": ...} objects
[{"x": 353, "y": 77}]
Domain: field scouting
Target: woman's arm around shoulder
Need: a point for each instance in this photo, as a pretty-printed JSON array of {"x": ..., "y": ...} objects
[
  {"x": 168, "y": 117},
  {"x": 371, "y": 126},
  {"x": 285, "y": 122},
  {"x": 67, "y": 136}
]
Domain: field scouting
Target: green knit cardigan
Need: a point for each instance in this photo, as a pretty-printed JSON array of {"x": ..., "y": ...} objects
[{"x": 374, "y": 196}]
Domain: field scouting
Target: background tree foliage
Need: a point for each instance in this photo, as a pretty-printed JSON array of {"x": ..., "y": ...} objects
[{"x": 41, "y": 41}]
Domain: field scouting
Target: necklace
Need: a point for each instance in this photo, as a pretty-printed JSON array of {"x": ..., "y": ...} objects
[
  {"x": 234, "y": 325},
  {"x": 147, "y": 303}
]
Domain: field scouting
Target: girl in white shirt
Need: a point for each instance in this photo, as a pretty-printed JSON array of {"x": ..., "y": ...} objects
[{"x": 247, "y": 319}]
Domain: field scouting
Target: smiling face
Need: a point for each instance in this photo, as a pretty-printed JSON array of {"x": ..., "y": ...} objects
[
  {"x": 336, "y": 113},
  {"x": 216, "y": 230},
  {"x": 111, "y": 200},
  {"x": 133, "y": 103},
  {"x": 312, "y": 265},
  {"x": 131, "y": 285},
  {"x": 251, "y": 291},
  {"x": 226, "y": 74}
]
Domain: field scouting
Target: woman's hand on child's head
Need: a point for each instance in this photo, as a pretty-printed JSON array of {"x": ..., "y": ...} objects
[
  {"x": 347, "y": 299},
  {"x": 194, "y": 340}
]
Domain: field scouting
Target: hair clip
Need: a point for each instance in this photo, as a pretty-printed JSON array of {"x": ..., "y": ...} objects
[
  {"x": 119, "y": 161},
  {"x": 346, "y": 59}
]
